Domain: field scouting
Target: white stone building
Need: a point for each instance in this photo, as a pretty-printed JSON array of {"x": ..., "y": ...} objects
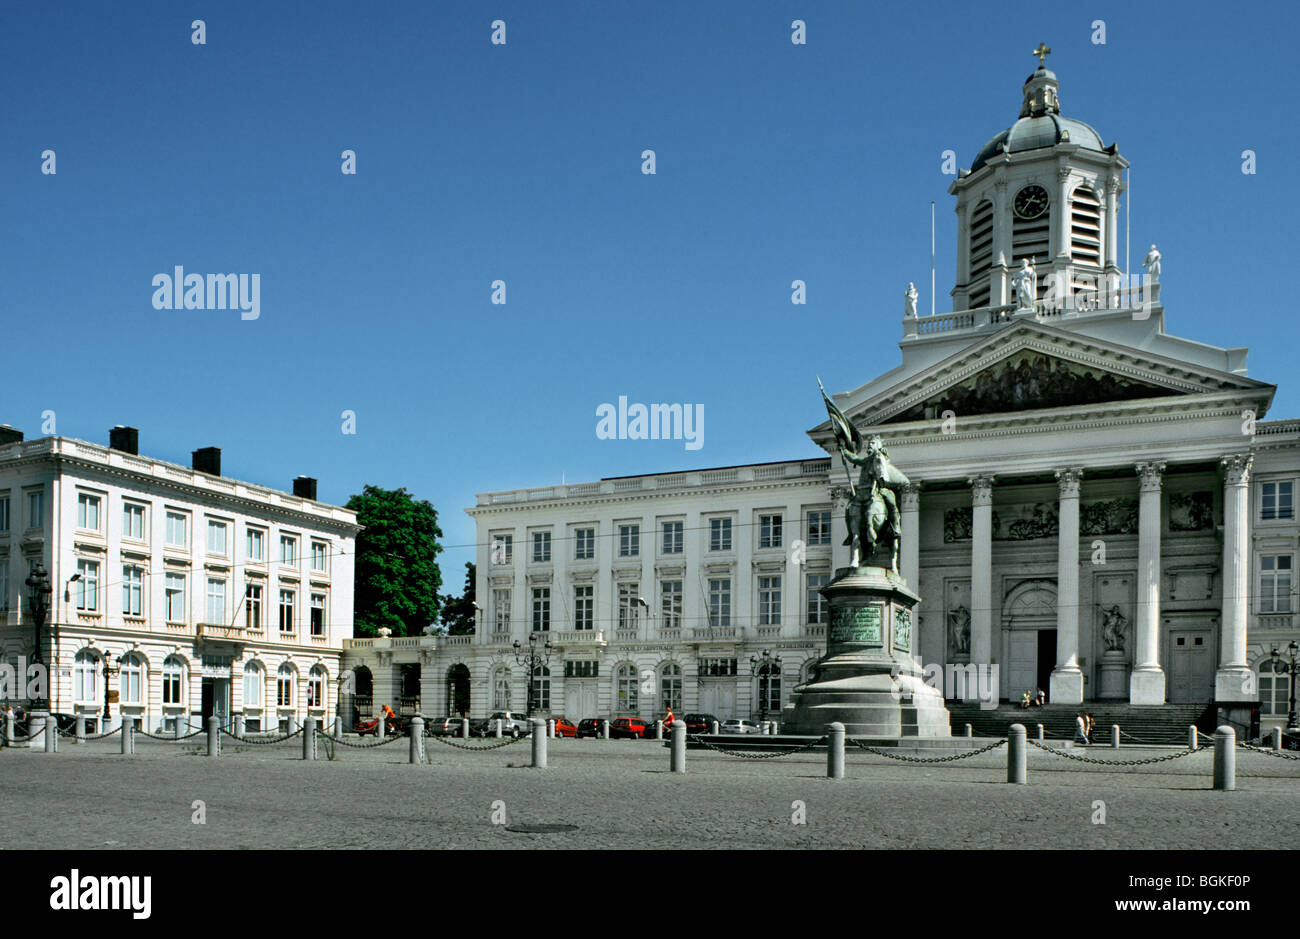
[
  {"x": 207, "y": 595},
  {"x": 1099, "y": 507}
]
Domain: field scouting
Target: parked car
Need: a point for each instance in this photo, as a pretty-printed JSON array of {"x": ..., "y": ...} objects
[
  {"x": 565, "y": 727},
  {"x": 589, "y": 727},
  {"x": 699, "y": 723},
  {"x": 649, "y": 732},
  {"x": 513, "y": 724},
  {"x": 627, "y": 727},
  {"x": 740, "y": 727},
  {"x": 442, "y": 727}
]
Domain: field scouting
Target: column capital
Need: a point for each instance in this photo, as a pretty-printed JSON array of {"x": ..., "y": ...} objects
[
  {"x": 981, "y": 489},
  {"x": 1063, "y": 173},
  {"x": 911, "y": 496},
  {"x": 1149, "y": 474},
  {"x": 1067, "y": 481},
  {"x": 1236, "y": 468}
]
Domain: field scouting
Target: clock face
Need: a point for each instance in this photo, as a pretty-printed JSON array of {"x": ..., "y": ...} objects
[{"x": 1031, "y": 202}]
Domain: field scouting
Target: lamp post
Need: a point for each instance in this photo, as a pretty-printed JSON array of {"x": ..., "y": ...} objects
[
  {"x": 38, "y": 604},
  {"x": 1291, "y": 669},
  {"x": 109, "y": 672},
  {"x": 533, "y": 657},
  {"x": 762, "y": 667}
]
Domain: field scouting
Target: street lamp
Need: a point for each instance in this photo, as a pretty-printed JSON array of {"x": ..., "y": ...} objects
[
  {"x": 763, "y": 667},
  {"x": 38, "y": 604},
  {"x": 109, "y": 671},
  {"x": 532, "y": 657},
  {"x": 1291, "y": 670}
]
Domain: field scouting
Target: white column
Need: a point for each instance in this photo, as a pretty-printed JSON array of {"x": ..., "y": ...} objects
[
  {"x": 1063, "y": 214},
  {"x": 839, "y": 528},
  {"x": 909, "y": 560},
  {"x": 1147, "y": 682},
  {"x": 1066, "y": 685},
  {"x": 1111, "y": 258},
  {"x": 1001, "y": 244},
  {"x": 1233, "y": 678},
  {"x": 981, "y": 570}
]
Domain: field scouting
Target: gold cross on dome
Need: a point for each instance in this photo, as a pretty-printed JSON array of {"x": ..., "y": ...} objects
[{"x": 1042, "y": 52}]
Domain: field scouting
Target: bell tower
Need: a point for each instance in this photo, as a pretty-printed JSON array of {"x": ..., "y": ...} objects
[{"x": 1044, "y": 190}]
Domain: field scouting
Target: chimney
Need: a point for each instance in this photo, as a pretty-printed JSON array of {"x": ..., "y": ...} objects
[
  {"x": 125, "y": 439},
  {"x": 305, "y": 488},
  {"x": 207, "y": 460},
  {"x": 9, "y": 435}
]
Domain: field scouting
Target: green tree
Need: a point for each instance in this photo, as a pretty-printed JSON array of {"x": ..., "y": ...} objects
[
  {"x": 458, "y": 612},
  {"x": 397, "y": 575}
]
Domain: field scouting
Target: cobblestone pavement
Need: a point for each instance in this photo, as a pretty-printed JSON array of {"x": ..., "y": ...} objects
[{"x": 621, "y": 795}]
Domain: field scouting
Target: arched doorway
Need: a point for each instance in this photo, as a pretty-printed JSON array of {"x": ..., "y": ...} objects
[
  {"x": 360, "y": 702},
  {"x": 458, "y": 691},
  {"x": 1029, "y": 636}
]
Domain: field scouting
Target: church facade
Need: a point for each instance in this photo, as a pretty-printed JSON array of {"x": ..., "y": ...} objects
[{"x": 1097, "y": 507}]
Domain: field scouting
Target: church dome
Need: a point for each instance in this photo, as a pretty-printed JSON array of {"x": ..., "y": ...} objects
[{"x": 1040, "y": 124}]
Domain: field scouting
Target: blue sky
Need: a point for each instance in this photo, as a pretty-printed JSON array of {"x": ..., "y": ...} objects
[{"x": 522, "y": 163}]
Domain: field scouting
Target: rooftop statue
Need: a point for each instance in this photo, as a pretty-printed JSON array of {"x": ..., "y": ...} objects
[
  {"x": 909, "y": 300},
  {"x": 1152, "y": 264}
]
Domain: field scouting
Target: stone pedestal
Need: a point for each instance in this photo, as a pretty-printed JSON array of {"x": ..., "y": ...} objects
[
  {"x": 1147, "y": 686},
  {"x": 1112, "y": 677},
  {"x": 868, "y": 680}
]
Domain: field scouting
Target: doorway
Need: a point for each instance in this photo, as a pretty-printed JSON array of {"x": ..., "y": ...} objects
[
  {"x": 1191, "y": 666},
  {"x": 215, "y": 700},
  {"x": 579, "y": 699}
]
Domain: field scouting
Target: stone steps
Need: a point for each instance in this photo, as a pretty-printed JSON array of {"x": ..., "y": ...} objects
[{"x": 1138, "y": 724}]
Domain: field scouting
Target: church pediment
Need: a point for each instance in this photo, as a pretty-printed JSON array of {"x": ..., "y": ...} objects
[{"x": 1032, "y": 367}]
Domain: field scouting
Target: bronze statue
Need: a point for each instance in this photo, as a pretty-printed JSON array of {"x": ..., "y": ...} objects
[{"x": 873, "y": 517}]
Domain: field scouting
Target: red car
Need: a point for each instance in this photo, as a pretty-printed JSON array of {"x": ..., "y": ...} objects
[
  {"x": 565, "y": 727},
  {"x": 628, "y": 727}
]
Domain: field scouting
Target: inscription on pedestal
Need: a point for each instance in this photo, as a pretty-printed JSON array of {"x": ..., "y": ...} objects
[
  {"x": 856, "y": 624},
  {"x": 903, "y": 630}
]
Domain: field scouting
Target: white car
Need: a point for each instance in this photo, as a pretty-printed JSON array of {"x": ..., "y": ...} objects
[{"x": 740, "y": 727}]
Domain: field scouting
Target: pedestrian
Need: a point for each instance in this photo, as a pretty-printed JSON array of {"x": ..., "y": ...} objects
[{"x": 1080, "y": 729}]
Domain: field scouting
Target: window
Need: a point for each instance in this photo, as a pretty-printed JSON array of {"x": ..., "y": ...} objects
[
  {"x": 217, "y": 538},
  {"x": 769, "y": 601},
  {"x": 289, "y": 550},
  {"x": 133, "y": 521},
  {"x": 580, "y": 668},
  {"x": 131, "y": 677},
  {"x": 1276, "y": 502},
  {"x": 819, "y": 527},
  {"x": 672, "y": 538},
  {"x": 284, "y": 686},
  {"x": 629, "y": 541},
  {"x": 670, "y": 604},
  {"x": 88, "y": 586},
  {"x": 626, "y": 682},
  {"x": 1274, "y": 687},
  {"x": 720, "y": 602},
  {"x": 818, "y": 611},
  {"x": 719, "y": 534},
  {"x": 541, "y": 609},
  {"x": 318, "y": 614},
  {"x": 132, "y": 590},
  {"x": 541, "y": 689},
  {"x": 85, "y": 678},
  {"x": 173, "y": 674},
  {"x": 174, "y": 598},
  {"x": 286, "y": 611},
  {"x": 256, "y": 543},
  {"x": 316, "y": 687},
  {"x": 320, "y": 557},
  {"x": 1275, "y": 583},
  {"x": 501, "y": 690},
  {"x": 769, "y": 531},
  {"x": 216, "y": 608},
  {"x": 503, "y": 549},
  {"x": 717, "y": 668},
  {"x": 4, "y": 586},
  {"x": 584, "y": 548},
  {"x": 541, "y": 546},
  {"x": 36, "y": 508},
  {"x": 87, "y": 511},
  {"x": 4, "y": 513},
  {"x": 769, "y": 688},
  {"x": 253, "y": 678},
  {"x": 628, "y": 595},
  {"x": 253, "y": 608},
  {"x": 583, "y": 607},
  {"x": 176, "y": 530},
  {"x": 670, "y": 686},
  {"x": 501, "y": 609}
]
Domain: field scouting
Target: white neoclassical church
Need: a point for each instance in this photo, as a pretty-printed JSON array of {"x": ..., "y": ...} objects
[{"x": 1098, "y": 507}]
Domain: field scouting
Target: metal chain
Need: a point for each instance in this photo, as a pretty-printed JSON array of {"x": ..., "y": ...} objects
[
  {"x": 755, "y": 756},
  {"x": 922, "y": 759},
  {"x": 370, "y": 746},
  {"x": 260, "y": 743},
  {"x": 1086, "y": 759},
  {"x": 165, "y": 737},
  {"x": 478, "y": 748},
  {"x": 1125, "y": 735},
  {"x": 1269, "y": 752}
]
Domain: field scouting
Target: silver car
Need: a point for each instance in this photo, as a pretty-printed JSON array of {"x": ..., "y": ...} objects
[{"x": 740, "y": 727}]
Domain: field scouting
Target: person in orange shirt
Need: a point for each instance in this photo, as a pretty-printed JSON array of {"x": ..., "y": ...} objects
[
  {"x": 388, "y": 712},
  {"x": 668, "y": 721}
]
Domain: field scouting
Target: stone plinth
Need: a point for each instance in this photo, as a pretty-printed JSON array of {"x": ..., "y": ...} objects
[
  {"x": 868, "y": 680},
  {"x": 1112, "y": 677}
]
